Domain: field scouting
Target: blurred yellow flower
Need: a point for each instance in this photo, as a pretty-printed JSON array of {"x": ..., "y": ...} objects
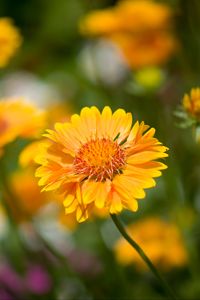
[
  {"x": 141, "y": 29},
  {"x": 10, "y": 40},
  {"x": 27, "y": 198},
  {"x": 161, "y": 240},
  {"x": 149, "y": 78},
  {"x": 191, "y": 103},
  {"x": 99, "y": 159},
  {"x": 100, "y": 22},
  {"x": 19, "y": 119}
]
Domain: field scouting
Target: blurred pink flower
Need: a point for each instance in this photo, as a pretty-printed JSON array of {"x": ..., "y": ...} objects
[
  {"x": 37, "y": 280},
  {"x": 10, "y": 279},
  {"x": 84, "y": 263}
]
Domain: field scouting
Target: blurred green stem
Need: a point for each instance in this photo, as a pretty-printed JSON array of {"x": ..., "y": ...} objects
[
  {"x": 6, "y": 195},
  {"x": 61, "y": 258},
  {"x": 144, "y": 257}
]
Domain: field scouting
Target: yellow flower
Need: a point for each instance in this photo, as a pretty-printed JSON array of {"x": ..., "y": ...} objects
[
  {"x": 10, "y": 40},
  {"x": 161, "y": 240},
  {"x": 191, "y": 103},
  {"x": 97, "y": 159},
  {"x": 141, "y": 29},
  {"x": 19, "y": 119}
]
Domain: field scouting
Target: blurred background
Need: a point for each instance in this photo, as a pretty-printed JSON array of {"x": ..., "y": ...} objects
[{"x": 142, "y": 56}]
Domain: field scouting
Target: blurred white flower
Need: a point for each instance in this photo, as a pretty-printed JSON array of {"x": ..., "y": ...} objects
[
  {"x": 26, "y": 85},
  {"x": 101, "y": 61},
  {"x": 49, "y": 228}
]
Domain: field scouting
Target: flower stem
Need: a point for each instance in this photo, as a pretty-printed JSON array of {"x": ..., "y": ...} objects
[{"x": 145, "y": 258}]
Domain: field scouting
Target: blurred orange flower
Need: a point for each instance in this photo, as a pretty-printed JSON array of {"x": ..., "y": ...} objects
[
  {"x": 191, "y": 103},
  {"x": 10, "y": 40},
  {"x": 98, "y": 160},
  {"x": 19, "y": 119},
  {"x": 161, "y": 240},
  {"x": 150, "y": 48},
  {"x": 127, "y": 16},
  {"x": 140, "y": 28},
  {"x": 142, "y": 15}
]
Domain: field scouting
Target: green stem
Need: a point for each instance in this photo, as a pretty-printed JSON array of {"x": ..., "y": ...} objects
[{"x": 145, "y": 258}]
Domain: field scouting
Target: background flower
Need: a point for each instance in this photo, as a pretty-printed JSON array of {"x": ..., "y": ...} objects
[
  {"x": 141, "y": 30},
  {"x": 19, "y": 119},
  {"x": 10, "y": 40},
  {"x": 191, "y": 103},
  {"x": 160, "y": 239}
]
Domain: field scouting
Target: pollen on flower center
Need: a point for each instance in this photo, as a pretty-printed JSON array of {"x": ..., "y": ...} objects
[{"x": 99, "y": 159}]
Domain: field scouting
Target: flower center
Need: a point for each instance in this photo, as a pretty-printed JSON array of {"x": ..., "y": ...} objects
[{"x": 99, "y": 159}]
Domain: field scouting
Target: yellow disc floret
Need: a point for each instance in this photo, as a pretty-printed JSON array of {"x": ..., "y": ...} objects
[{"x": 99, "y": 159}]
